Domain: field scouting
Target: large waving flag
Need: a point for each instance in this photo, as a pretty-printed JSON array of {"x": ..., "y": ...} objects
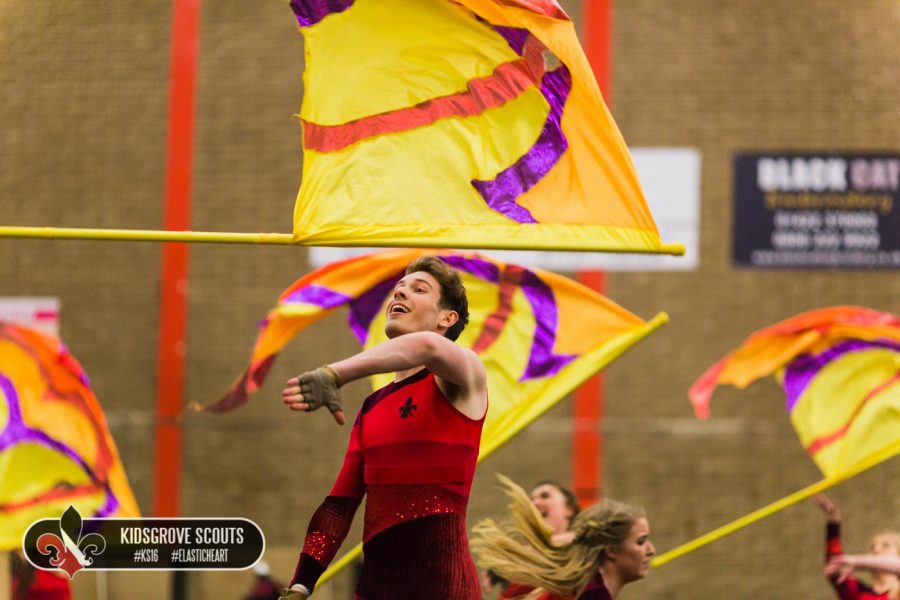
[
  {"x": 539, "y": 334},
  {"x": 55, "y": 447},
  {"x": 466, "y": 124},
  {"x": 840, "y": 370}
]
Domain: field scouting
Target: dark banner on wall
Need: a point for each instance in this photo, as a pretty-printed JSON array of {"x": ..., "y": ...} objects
[{"x": 830, "y": 210}]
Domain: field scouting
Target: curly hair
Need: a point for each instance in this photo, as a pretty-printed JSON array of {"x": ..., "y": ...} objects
[{"x": 453, "y": 292}]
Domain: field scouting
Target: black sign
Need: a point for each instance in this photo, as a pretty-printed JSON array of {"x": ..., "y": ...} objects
[
  {"x": 71, "y": 544},
  {"x": 817, "y": 210}
]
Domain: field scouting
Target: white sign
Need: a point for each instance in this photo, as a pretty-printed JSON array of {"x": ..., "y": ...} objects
[
  {"x": 41, "y": 313},
  {"x": 670, "y": 178}
]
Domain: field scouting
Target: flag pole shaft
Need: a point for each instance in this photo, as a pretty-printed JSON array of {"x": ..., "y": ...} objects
[
  {"x": 144, "y": 235},
  {"x": 770, "y": 509},
  {"x": 286, "y": 239}
]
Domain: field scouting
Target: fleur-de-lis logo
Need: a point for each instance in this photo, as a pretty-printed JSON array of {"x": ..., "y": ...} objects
[
  {"x": 407, "y": 409},
  {"x": 70, "y": 551}
]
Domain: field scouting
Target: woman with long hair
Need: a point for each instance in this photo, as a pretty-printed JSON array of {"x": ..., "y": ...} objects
[
  {"x": 557, "y": 506},
  {"x": 610, "y": 548}
]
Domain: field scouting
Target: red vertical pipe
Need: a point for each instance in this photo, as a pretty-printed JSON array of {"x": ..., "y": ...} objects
[
  {"x": 598, "y": 27},
  {"x": 174, "y": 282},
  {"x": 587, "y": 417}
]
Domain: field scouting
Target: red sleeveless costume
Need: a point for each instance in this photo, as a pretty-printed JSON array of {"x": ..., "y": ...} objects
[{"x": 413, "y": 453}]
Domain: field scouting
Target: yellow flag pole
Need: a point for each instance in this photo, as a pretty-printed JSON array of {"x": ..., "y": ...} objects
[
  {"x": 144, "y": 235},
  {"x": 285, "y": 239},
  {"x": 605, "y": 356},
  {"x": 873, "y": 459}
]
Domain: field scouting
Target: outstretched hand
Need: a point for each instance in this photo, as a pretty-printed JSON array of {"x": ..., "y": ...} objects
[
  {"x": 839, "y": 568},
  {"x": 312, "y": 390},
  {"x": 828, "y": 507}
]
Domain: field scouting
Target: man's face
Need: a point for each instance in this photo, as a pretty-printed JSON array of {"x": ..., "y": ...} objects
[{"x": 415, "y": 306}]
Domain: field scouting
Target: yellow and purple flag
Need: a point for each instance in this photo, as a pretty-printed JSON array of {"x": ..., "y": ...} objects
[
  {"x": 840, "y": 370},
  {"x": 539, "y": 334},
  {"x": 55, "y": 446},
  {"x": 465, "y": 124}
]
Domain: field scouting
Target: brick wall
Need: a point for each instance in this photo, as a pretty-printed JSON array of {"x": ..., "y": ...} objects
[{"x": 83, "y": 109}]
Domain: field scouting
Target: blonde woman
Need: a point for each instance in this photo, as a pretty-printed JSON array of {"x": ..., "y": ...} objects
[
  {"x": 883, "y": 561},
  {"x": 557, "y": 506},
  {"x": 610, "y": 548}
]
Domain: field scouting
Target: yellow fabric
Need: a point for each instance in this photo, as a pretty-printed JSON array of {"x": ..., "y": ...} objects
[
  {"x": 589, "y": 328},
  {"x": 353, "y": 43},
  {"x": 414, "y": 187},
  {"x": 840, "y": 369},
  {"x": 856, "y": 400},
  {"x": 63, "y": 453}
]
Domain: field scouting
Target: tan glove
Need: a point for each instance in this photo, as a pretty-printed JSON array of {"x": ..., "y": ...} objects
[
  {"x": 288, "y": 594},
  {"x": 322, "y": 388}
]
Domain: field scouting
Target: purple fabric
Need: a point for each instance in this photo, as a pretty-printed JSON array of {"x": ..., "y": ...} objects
[
  {"x": 542, "y": 362},
  {"x": 364, "y": 308},
  {"x": 17, "y": 432},
  {"x": 310, "y": 12},
  {"x": 483, "y": 269},
  {"x": 802, "y": 369},
  {"x": 502, "y": 192},
  {"x": 317, "y": 295},
  {"x": 514, "y": 36}
]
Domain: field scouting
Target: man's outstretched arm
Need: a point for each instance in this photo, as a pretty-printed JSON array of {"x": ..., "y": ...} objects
[{"x": 458, "y": 366}]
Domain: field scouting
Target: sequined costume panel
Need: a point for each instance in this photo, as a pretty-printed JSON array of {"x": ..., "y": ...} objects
[
  {"x": 389, "y": 505},
  {"x": 327, "y": 529}
]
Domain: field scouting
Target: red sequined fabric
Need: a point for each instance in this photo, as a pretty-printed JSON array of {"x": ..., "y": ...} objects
[
  {"x": 388, "y": 505},
  {"x": 320, "y": 546},
  {"x": 327, "y": 529}
]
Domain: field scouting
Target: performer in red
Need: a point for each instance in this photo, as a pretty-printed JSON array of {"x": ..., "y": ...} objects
[
  {"x": 885, "y": 584},
  {"x": 412, "y": 449}
]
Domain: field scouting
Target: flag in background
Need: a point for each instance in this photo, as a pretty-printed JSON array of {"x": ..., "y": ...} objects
[
  {"x": 840, "y": 370},
  {"x": 539, "y": 334},
  {"x": 55, "y": 446},
  {"x": 467, "y": 124}
]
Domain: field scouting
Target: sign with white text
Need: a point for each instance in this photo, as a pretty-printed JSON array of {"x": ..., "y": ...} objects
[{"x": 829, "y": 210}]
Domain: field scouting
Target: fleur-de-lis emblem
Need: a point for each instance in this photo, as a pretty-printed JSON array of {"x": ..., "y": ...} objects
[
  {"x": 70, "y": 551},
  {"x": 407, "y": 409}
]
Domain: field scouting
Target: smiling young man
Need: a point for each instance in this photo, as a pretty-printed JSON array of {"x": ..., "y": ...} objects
[{"x": 412, "y": 449}]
